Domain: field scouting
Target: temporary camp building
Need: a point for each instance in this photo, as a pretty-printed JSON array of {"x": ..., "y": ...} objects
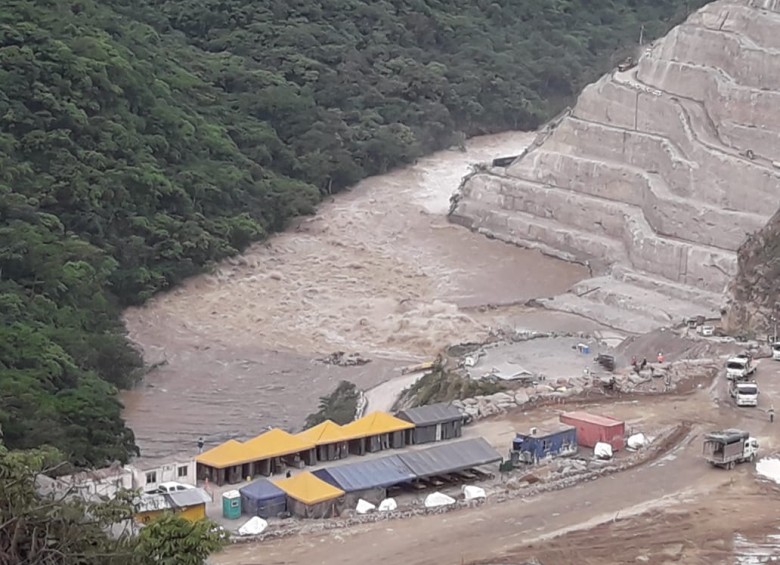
[
  {"x": 435, "y": 422},
  {"x": 263, "y": 498},
  {"x": 265, "y": 454},
  {"x": 374, "y": 432},
  {"x": 311, "y": 497},
  {"x": 592, "y": 429},
  {"x": 367, "y": 479},
  {"x": 189, "y": 504},
  {"x": 223, "y": 463},
  {"x": 329, "y": 441},
  {"x": 543, "y": 442},
  {"x": 450, "y": 458}
]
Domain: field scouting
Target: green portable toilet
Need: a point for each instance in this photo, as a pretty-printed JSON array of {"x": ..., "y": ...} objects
[{"x": 231, "y": 505}]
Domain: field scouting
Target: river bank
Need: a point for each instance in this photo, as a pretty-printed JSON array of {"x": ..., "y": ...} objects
[{"x": 378, "y": 271}]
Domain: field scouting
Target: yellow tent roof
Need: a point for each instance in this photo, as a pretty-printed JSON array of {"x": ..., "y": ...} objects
[
  {"x": 324, "y": 433},
  {"x": 275, "y": 443},
  {"x": 224, "y": 455},
  {"x": 308, "y": 489},
  {"x": 373, "y": 424}
]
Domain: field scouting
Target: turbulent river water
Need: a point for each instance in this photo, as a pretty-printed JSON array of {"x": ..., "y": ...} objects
[{"x": 378, "y": 271}]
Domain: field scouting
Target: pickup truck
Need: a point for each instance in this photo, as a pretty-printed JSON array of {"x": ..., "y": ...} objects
[
  {"x": 729, "y": 447},
  {"x": 744, "y": 393},
  {"x": 740, "y": 367}
]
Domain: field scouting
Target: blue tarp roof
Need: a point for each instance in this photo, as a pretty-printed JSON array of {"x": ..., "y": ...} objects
[
  {"x": 262, "y": 489},
  {"x": 363, "y": 475},
  {"x": 450, "y": 457}
]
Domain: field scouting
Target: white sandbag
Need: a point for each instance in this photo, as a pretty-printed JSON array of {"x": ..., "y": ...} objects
[
  {"x": 388, "y": 505},
  {"x": 637, "y": 441},
  {"x": 471, "y": 492},
  {"x": 436, "y": 499},
  {"x": 253, "y": 527},
  {"x": 364, "y": 506},
  {"x": 603, "y": 450}
]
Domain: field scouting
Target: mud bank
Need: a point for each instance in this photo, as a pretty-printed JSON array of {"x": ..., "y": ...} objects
[{"x": 379, "y": 271}]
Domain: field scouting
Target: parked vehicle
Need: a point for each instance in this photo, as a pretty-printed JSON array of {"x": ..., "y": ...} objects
[
  {"x": 172, "y": 486},
  {"x": 740, "y": 367},
  {"x": 744, "y": 393},
  {"x": 776, "y": 351},
  {"x": 729, "y": 447}
]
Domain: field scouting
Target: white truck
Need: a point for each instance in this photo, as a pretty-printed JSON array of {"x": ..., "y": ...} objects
[
  {"x": 729, "y": 447},
  {"x": 744, "y": 393},
  {"x": 776, "y": 351},
  {"x": 740, "y": 367}
]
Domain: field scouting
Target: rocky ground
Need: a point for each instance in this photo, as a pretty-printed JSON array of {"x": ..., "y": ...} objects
[{"x": 669, "y": 508}]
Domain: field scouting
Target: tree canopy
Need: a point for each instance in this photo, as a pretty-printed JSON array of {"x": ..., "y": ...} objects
[
  {"x": 60, "y": 529},
  {"x": 142, "y": 141}
]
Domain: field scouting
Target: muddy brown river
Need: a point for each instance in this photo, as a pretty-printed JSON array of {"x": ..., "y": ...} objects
[{"x": 378, "y": 271}]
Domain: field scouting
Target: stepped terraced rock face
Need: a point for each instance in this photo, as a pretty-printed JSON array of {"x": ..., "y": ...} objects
[{"x": 656, "y": 176}]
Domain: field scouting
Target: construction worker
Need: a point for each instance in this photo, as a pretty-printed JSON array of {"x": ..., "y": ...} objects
[
  {"x": 660, "y": 357},
  {"x": 771, "y": 414},
  {"x": 201, "y": 443}
]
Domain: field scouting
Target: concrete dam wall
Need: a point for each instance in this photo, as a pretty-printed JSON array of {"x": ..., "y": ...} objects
[{"x": 657, "y": 174}]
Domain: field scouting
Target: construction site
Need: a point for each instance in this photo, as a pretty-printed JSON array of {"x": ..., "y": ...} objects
[{"x": 585, "y": 271}]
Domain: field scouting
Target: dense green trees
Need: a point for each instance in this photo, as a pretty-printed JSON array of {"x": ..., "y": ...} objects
[
  {"x": 47, "y": 528},
  {"x": 141, "y": 141}
]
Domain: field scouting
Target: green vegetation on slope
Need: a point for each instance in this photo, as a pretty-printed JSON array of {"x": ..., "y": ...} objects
[
  {"x": 141, "y": 141},
  {"x": 339, "y": 406},
  {"x": 54, "y": 528},
  {"x": 443, "y": 385}
]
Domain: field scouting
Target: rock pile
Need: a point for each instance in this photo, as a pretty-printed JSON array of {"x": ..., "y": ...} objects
[
  {"x": 343, "y": 359},
  {"x": 655, "y": 378}
]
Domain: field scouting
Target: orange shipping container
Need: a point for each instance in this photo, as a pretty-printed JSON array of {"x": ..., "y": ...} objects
[{"x": 592, "y": 429}]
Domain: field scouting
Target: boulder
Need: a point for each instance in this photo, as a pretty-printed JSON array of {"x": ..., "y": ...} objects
[
  {"x": 521, "y": 397},
  {"x": 500, "y": 397}
]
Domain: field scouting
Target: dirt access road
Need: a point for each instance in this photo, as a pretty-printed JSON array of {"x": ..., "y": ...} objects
[
  {"x": 378, "y": 271},
  {"x": 680, "y": 479}
]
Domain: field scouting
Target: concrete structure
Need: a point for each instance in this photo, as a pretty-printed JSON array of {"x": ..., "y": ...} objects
[
  {"x": 435, "y": 422},
  {"x": 110, "y": 480},
  {"x": 148, "y": 477},
  {"x": 190, "y": 504},
  {"x": 100, "y": 482},
  {"x": 655, "y": 177}
]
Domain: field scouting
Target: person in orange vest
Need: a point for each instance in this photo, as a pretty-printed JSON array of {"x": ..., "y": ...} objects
[{"x": 660, "y": 357}]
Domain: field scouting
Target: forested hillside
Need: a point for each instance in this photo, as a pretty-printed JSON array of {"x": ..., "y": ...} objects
[{"x": 141, "y": 141}]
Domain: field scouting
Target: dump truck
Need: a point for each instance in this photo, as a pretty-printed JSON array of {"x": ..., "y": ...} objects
[
  {"x": 740, "y": 367},
  {"x": 744, "y": 393},
  {"x": 728, "y": 447}
]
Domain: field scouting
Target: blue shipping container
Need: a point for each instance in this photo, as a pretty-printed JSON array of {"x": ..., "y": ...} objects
[{"x": 556, "y": 441}]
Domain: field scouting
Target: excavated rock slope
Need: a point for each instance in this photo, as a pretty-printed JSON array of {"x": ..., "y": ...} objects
[
  {"x": 656, "y": 176},
  {"x": 755, "y": 292}
]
